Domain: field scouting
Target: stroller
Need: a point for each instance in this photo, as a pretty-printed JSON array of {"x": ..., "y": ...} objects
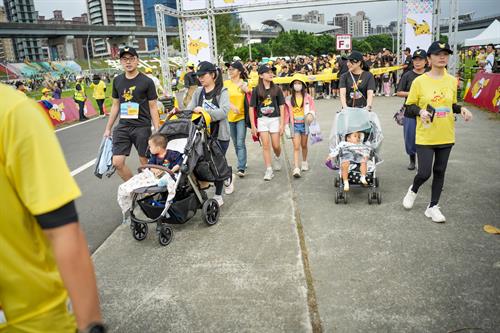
[
  {"x": 358, "y": 120},
  {"x": 178, "y": 202}
]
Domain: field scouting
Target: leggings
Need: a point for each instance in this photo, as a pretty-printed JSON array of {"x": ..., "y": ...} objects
[
  {"x": 100, "y": 104},
  {"x": 425, "y": 156},
  {"x": 219, "y": 185}
]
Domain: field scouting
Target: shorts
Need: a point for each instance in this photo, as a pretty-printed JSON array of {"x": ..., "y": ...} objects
[
  {"x": 124, "y": 136},
  {"x": 300, "y": 128},
  {"x": 268, "y": 124}
]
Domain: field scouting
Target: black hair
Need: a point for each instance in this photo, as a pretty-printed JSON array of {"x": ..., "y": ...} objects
[
  {"x": 303, "y": 92},
  {"x": 261, "y": 90}
]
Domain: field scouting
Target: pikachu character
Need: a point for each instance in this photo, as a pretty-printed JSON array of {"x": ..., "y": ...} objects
[
  {"x": 268, "y": 101},
  {"x": 419, "y": 28},
  {"x": 477, "y": 89},
  {"x": 57, "y": 113},
  {"x": 128, "y": 94},
  {"x": 496, "y": 99},
  {"x": 195, "y": 45}
]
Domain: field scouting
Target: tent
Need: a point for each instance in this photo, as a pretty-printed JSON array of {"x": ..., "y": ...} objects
[{"x": 489, "y": 35}]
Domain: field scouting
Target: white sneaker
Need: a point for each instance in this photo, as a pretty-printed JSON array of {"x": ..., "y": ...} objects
[
  {"x": 435, "y": 214},
  {"x": 277, "y": 163},
  {"x": 229, "y": 183},
  {"x": 219, "y": 200},
  {"x": 296, "y": 173},
  {"x": 363, "y": 181},
  {"x": 305, "y": 166},
  {"x": 269, "y": 174},
  {"x": 409, "y": 198}
]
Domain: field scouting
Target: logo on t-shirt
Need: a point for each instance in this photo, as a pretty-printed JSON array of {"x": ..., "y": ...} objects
[
  {"x": 438, "y": 100},
  {"x": 128, "y": 94},
  {"x": 267, "y": 107}
]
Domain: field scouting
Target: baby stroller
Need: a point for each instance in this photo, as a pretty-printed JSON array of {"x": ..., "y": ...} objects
[
  {"x": 178, "y": 202},
  {"x": 358, "y": 120}
]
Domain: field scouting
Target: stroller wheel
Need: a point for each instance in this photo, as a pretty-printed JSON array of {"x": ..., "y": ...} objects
[
  {"x": 369, "y": 198},
  {"x": 166, "y": 235},
  {"x": 139, "y": 231},
  {"x": 337, "y": 181},
  {"x": 211, "y": 211},
  {"x": 346, "y": 195},
  {"x": 337, "y": 197},
  {"x": 379, "y": 198}
]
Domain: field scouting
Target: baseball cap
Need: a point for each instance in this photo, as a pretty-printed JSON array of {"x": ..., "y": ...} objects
[
  {"x": 44, "y": 90},
  {"x": 419, "y": 54},
  {"x": 238, "y": 65},
  {"x": 437, "y": 47},
  {"x": 265, "y": 68},
  {"x": 130, "y": 50},
  {"x": 205, "y": 67},
  {"x": 236, "y": 58},
  {"x": 355, "y": 55},
  {"x": 190, "y": 64}
]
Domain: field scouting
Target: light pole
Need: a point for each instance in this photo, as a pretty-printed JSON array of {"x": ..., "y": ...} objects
[
  {"x": 249, "y": 43},
  {"x": 88, "y": 53}
]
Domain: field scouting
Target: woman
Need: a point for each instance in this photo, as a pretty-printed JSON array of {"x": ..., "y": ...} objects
[
  {"x": 357, "y": 85},
  {"x": 300, "y": 111},
  {"x": 435, "y": 133},
  {"x": 268, "y": 103},
  {"x": 237, "y": 89},
  {"x": 378, "y": 78},
  {"x": 327, "y": 84},
  {"x": 212, "y": 91}
]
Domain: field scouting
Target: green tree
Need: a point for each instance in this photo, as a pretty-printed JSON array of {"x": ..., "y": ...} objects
[{"x": 227, "y": 31}]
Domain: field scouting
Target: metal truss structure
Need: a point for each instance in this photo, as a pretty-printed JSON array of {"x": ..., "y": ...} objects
[{"x": 452, "y": 37}]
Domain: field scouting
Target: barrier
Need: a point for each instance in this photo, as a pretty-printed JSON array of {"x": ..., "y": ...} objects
[
  {"x": 485, "y": 91},
  {"x": 65, "y": 110}
]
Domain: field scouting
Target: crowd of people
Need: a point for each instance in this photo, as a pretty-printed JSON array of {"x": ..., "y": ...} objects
[{"x": 60, "y": 259}]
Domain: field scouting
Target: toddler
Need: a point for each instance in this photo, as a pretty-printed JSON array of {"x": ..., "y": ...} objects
[{"x": 353, "y": 150}]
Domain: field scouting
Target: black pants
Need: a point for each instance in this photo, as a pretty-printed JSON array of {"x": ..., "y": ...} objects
[
  {"x": 378, "y": 86},
  {"x": 81, "y": 109},
  {"x": 425, "y": 156},
  {"x": 100, "y": 104},
  {"x": 219, "y": 185}
]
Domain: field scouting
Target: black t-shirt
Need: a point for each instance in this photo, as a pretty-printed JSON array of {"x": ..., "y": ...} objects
[
  {"x": 406, "y": 81},
  {"x": 364, "y": 81},
  {"x": 269, "y": 106},
  {"x": 134, "y": 95},
  {"x": 343, "y": 66},
  {"x": 409, "y": 63}
]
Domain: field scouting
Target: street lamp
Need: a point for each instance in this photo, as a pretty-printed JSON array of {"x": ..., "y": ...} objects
[{"x": 88, "y": 53}]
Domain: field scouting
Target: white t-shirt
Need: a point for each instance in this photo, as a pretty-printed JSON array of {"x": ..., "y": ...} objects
[{"x": 490, "y": 60}]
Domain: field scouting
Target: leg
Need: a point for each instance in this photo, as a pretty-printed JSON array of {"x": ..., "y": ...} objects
[
  {"x": 122, "y": 169},
  {"x": 275, "y": 140},
  {"x": 438, "y": 171},
  {"x": 241, "y": 149},
  {"x": 296, "y": 149},
  {"x": 425, "y": 156},
  {"x": 303, "y": 143},
  {"x": 345, "y": 170},
  {"x": 266, "y": 148},
  {"x": 139, "y": 137},
  {"x": 219, "y": 185},
  {"x": 81, "y": 110},
  {"x": 363, "y": 167},
  {"x": 100, "y": 103}
]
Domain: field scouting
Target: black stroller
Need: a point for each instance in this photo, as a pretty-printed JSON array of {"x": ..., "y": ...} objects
[{"x": 177, "y": 203}]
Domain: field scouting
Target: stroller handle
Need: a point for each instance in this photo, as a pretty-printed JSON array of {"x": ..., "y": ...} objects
[{"x": 154, "y": 166}]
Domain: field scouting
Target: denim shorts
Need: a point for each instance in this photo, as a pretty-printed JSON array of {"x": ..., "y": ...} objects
[{"x": 299, "y": 129}]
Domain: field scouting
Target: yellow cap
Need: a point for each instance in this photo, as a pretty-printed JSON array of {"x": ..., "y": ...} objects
[
  {"x": 190, "y": 64},
  {"x": 45, "y": 90},
  {"x": 299, "y": 77}
]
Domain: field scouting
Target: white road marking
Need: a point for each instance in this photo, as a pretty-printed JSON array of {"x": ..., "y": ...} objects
[
  {"x": 83, "y": 167},
  {"x": 78, "y": 124}
]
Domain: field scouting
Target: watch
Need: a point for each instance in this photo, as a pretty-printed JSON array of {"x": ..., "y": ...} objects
[{"x": 95, "y": 328}]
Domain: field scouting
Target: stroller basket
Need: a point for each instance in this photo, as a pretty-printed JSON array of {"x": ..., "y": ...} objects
[{"x": 180, "y": 211}]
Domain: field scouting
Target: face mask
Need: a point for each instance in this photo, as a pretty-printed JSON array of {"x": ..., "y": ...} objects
[{"x": 297, "y": 87}]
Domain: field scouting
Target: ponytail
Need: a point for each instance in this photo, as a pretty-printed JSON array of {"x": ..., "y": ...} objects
[{"x": 219, "y": 83}]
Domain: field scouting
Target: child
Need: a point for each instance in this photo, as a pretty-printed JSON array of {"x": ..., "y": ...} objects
[
  {"x": 387, "y": 81},
  {"x": 161, "y": 156},
  {"x": 352, "y": 150}
]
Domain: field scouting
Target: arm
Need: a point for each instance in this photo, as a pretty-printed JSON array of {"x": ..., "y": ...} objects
[
  {"x": 155, "y": 116},
  {"x": 343, "y": 99},
  {"x": 115, "y": 108},
  {"x": 282, "y": 119},
  {"x": 369, "y": 99},
  {"x": 75, "y": 266}
]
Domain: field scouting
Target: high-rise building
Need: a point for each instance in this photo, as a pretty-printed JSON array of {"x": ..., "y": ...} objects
[
  {"x": 115, "y": 12},
  {"x": 314, "y": 17},
  {"x": 6, "y": 46},
  {"x": 360, "y": 25},
  {"x": 23, "y": 11},
  {"x": 150, "y": 18},
  {"x": 344, "y": 22}
]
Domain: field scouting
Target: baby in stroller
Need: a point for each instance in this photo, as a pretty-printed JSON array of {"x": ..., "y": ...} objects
[{"x": 352, "y": 150}]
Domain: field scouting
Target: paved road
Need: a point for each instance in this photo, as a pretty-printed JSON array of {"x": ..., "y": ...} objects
[{"x": 285, "y": 258}]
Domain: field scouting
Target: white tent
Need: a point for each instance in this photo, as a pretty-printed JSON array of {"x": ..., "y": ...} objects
[{"x": 489, "y": 35}]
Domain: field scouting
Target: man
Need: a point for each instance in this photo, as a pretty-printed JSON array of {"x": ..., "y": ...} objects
[
  {"x": 191, "y": 82},
  {"x": 21, "y": 87},
  {"x": 80, "y": 97},
  {"x": 490, "y": 58},
  {"x": 46, "y": 275},
  {"x": 149, "y": 73},
  {"x": 407, "y": 60},
  {"x": 99, "y": 92},
  {"x": 409, "y": 124},
  {"x": 135, "y": 101}
]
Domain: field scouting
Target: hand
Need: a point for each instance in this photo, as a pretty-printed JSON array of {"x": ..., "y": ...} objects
[
  {"x": 425, "y": 116},
  {"x": 254, "y": 131},
  {"x": 198, "y": 109},
  {"x": 466, "y": 114},
  {"x": 107, "y": 133}
]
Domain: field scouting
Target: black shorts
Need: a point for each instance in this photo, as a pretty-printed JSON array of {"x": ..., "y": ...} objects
[
  {"x": 335, "y": 84},
  {"x": 124, "y": 136}
]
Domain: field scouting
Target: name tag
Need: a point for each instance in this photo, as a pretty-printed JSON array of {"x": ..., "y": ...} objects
[{"x": 129, "y": 110}]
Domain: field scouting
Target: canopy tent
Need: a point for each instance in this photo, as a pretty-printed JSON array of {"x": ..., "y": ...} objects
[{"x": 489, "y": 35}]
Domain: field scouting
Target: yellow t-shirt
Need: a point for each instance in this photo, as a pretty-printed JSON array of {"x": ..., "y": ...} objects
[
  {"x": 298, "y": 111},
  {"x": 328, "y": 70},
  {"x": 99, "y": 88},
  {"x": 34, "y": 180},
  {"x": 278, "y": 69},
  {"x": 237, "y": 98},
  {"x": 254, "y": 76},
  {"x": 45, "y": 98},
  {"x": 441, "y": 94}
]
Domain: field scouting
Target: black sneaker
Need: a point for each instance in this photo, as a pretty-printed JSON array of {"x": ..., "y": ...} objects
[{"x": 241, "y": 173}]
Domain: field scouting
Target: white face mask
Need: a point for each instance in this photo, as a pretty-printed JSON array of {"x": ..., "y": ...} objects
[{"x": 297, "y": 87}]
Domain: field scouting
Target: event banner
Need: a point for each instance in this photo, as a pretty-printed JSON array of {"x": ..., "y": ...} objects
[
  {"x": 65, "y": 110},
  {"x": 418, "y": 24},
  {"x": 485, "y": 91},
  {"x": 193, "y": 4},
  {"x": 197, "y": 40}
]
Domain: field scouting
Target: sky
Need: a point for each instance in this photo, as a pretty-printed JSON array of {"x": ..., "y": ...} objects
[{"x": 379, "y": 13}]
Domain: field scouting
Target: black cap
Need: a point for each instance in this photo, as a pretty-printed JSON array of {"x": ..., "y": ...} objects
[
  {"x": 130, "y": 50},
  {"x": 205, "y": 67},
  {"x": 355, "y": 55},
  {"x": 437, "y": 47},
  {"x": 419, "y": 54},
  {"x": 18, "y": 84},
  {"x": 265, "y": 68},
  {"x": 238, "y": 65},
  {"x": 408, "y": 49}
]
